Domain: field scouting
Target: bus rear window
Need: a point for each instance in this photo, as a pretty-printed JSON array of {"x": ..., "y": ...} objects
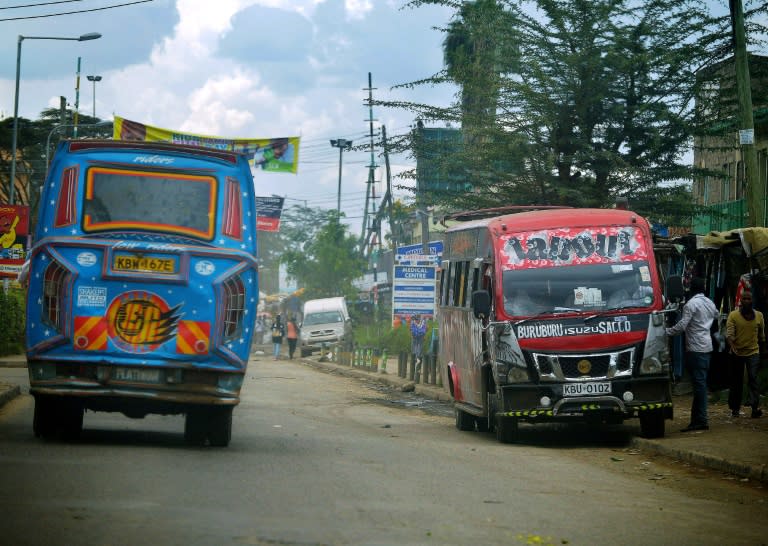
[{"x": 161, "y": 202}]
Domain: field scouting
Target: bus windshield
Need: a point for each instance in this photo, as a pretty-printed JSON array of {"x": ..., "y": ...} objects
[
  {"x": 594, "y": 287},
  {"x": 169, "y": 202}
]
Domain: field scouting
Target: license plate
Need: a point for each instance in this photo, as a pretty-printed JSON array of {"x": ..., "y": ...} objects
[
  {"x": 586, "y": 389},
  {"x": 136, "y": 375},
  {"x": 165, "y": 266}
]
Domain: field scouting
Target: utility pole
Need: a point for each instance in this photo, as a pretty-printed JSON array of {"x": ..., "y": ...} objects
[
  {"x": 371, "y": 187},
  {"x": 756, "y": 198}
]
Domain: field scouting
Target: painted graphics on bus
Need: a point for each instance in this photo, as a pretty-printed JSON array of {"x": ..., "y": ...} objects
[{"x": 143, "y": 285}]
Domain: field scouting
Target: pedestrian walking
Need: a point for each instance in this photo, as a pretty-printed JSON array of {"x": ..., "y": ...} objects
[
  {"x": 418, "y": 332},
  {"x": 292, "y": 335},
  {"x": 745, "y": 333},
  {"x": 277, "y": 331},
  {"x": 698, "y": 314}
]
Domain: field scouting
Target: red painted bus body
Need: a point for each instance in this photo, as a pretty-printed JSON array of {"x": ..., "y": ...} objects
[{"x": 554, "y": 315}]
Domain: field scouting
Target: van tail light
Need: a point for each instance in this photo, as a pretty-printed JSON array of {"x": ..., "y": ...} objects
[
  {"x": 233, "y": 210},
  {"x": 65, "y": 208},
  {"x": 234, "y": 307},
  {"x": 55, "y": 281}
]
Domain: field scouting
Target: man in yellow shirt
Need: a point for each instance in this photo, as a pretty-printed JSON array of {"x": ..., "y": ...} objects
[{"x": 745, "y": 332}]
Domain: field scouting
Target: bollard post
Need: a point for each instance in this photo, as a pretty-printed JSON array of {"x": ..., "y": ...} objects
[
  {"x": 400, "y": 364},
  {"x": 383, "y": 368},
  {"x": 412, "y": 370}
]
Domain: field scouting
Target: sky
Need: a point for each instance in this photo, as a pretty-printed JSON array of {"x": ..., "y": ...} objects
[{"x": 237, "y": 69}]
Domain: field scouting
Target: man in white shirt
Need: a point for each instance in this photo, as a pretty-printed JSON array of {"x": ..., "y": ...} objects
[{"x": 698, "y": 313}]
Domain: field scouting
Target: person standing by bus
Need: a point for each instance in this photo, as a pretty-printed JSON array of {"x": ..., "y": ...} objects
[
  {"x": 278, "y": 331},
  {"x": 698, "y": 314},
  {"x": 745, "y": 332},
  {"x": 292, "y": 335}
]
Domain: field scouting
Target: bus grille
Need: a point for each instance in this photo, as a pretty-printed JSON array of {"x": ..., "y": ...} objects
[{"x": 574, "y": 367}]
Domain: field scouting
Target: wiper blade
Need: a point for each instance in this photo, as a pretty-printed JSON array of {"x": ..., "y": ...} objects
[
  {"x": 532, "y": 317},
  {"x": 611, "y": 310}
]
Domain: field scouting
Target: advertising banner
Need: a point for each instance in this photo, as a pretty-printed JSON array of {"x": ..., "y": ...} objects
[
  {"x": 14, "y": 231},
  {"x": 268, "y": 212},
  {"x": 269, "y": 154}
]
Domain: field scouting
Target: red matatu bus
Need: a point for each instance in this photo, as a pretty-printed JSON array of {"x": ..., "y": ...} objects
[{"x": 554, "y": 315}]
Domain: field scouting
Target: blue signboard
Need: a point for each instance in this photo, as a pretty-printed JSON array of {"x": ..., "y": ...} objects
[
  {"x": 413, "y": 290},
  {"x": 414, "y": 254}
]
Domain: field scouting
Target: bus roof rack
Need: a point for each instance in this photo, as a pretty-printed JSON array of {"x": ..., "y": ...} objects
[{"x": 479, "y": 214}]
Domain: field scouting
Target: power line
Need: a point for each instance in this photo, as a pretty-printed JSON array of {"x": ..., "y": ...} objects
[
  {"x": 40, "y": 4},
  {"x": 73, "y": 12}
]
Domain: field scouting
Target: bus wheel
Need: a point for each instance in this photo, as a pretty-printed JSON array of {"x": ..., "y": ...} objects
[
  {"x": 464, "y": 421},
  {"x": 506, "y": 430},
  {"x": 220, "y": 426},
  {"x": 196, "y": 427},
  {"x": 71, "y": 420},
  {"x": 652, "y": 424},
  {"x": 44, "y": 421}
]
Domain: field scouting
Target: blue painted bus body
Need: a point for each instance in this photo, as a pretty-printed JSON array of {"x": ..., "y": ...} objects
[{"x": 143, "y": 285}]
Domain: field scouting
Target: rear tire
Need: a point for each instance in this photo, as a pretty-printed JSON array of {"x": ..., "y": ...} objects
[
  {"x": 506, "y": 430},
  {"x": 220, "y": 426},
  {"x": 71, "y": 420},
  {"x": 652, "y": 424},
  {"x": 464, "y": 421},
  {"x": 196, "y": 427},
  {"x": 482, "y": 424},
  {"x": 44, "y": 420}
]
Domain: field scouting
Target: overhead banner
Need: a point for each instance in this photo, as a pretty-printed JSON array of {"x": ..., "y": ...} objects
[
  {"x": 269, "y": 154},
  {"x": 268, "y": 211},
  {"x": 14, "y": 231}
]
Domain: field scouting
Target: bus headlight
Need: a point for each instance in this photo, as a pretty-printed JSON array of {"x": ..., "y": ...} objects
[
  {"x": 651, "y": 365},
  {"x": 517, "y": 375}
]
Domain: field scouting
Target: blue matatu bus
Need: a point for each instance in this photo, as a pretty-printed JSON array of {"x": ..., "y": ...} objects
[{"x": 143, "y": 286}]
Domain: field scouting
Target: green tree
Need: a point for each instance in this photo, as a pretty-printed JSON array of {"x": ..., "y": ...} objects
[
  {"x": 327, "y": 264},
  {"x": 595, "y": 103}
]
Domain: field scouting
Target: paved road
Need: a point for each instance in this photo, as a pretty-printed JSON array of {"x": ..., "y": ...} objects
[{"x": 319, "y": 458}]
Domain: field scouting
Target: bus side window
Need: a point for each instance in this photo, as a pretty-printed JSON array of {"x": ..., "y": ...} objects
[{"x": 461, "y": 281}]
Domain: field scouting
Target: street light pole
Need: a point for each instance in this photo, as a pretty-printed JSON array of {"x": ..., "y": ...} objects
[
  {"x": 94, "y": 79},
  {"x": 15, "y": 136},
  {"x": 342, "y": 144}
]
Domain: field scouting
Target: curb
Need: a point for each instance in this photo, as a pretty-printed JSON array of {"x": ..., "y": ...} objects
[
  {"x": 757, "y": 473},
  {"x": 8, "y": 393}
]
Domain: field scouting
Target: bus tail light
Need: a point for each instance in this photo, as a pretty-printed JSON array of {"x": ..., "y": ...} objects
[
  {"x": 54, "y": 283},
  {"x": 233, "y": 210},
  {"x": 65, "y": 208}
]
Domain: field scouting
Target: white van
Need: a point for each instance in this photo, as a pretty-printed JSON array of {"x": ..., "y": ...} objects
[{"x": 325, "y": 321}]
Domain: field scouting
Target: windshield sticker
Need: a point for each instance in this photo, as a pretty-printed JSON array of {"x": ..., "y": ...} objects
[
  {"x": 91, "y": 296},
  {"x": 566, "y": 246}
]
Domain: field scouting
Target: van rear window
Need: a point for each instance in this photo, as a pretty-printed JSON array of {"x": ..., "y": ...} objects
[{"x": 149, "y": 201}]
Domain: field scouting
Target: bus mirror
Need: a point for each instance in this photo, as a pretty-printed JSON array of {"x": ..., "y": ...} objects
[
  {"x": 481, "y": 303},
  {"x": 675, "y": 290}
]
